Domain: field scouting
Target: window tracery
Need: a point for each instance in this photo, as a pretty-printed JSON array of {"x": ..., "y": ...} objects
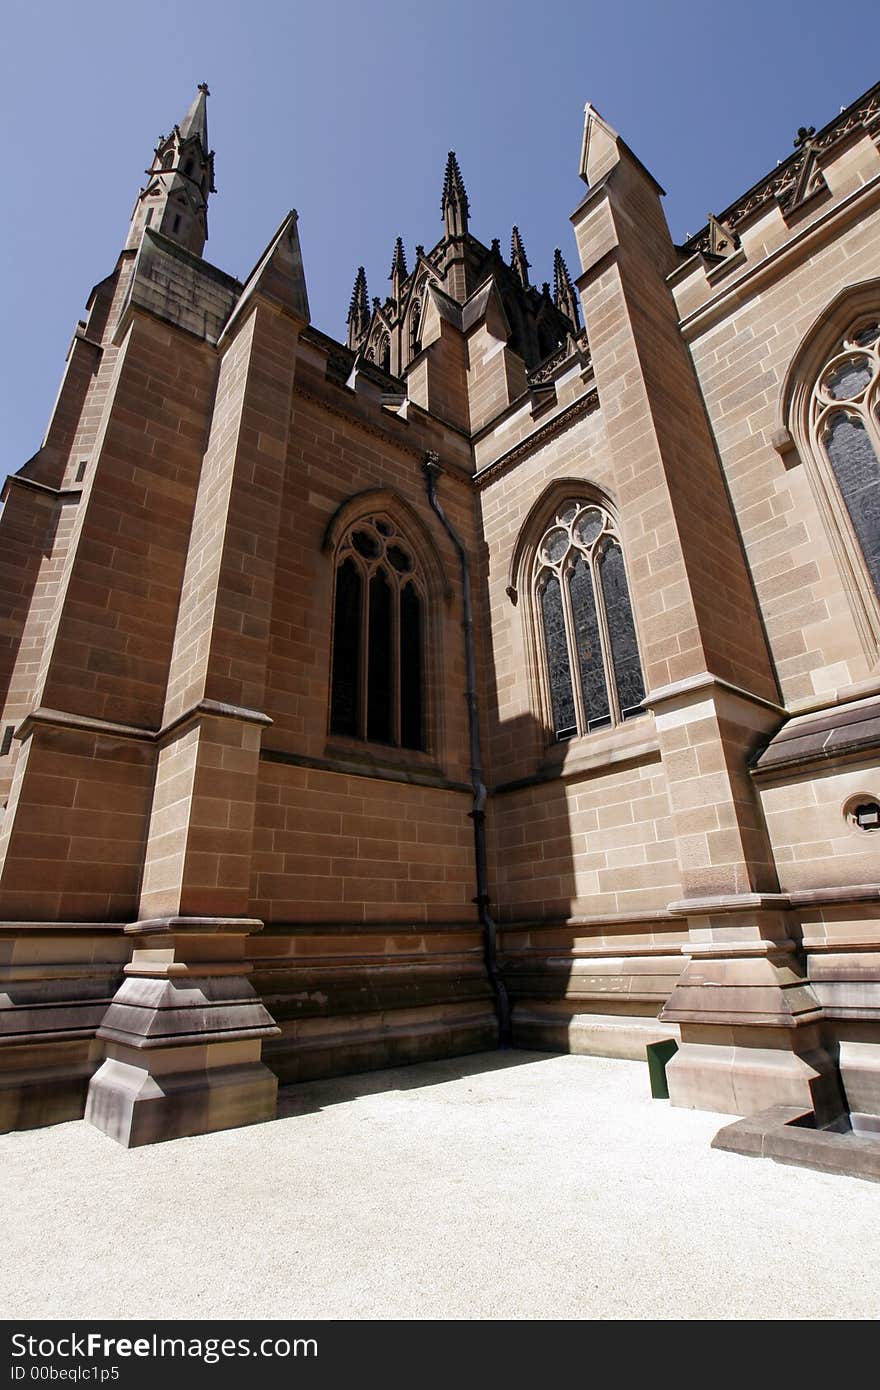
[
  {"x": 845, "y": 429},
  {"x": 377, "y": 673},
  {"x": 587, "y": 631}
]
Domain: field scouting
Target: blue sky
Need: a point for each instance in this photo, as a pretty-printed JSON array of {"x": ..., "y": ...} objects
[{"x": 346, "y": 111}]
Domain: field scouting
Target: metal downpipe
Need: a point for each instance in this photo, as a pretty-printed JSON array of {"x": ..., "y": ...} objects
[{"x": 433, "y": 469}]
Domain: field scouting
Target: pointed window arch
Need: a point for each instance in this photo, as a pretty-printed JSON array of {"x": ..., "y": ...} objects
[
  {"x": 377, "y": 681},
  {"x": 845, "y": 411},
  {"x": 831, "y": 406},
  {"x": 588, "y": 649}
]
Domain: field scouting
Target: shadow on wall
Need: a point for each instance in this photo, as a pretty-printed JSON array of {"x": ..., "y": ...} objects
[{"x": 583, "y": 865}]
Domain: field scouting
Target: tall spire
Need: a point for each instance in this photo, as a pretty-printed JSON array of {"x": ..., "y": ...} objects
[
  {"x": 518, "y": 258},
  {"x": 455, "y": 200},
  {"x": 179, "y": 180},
  {"x": 358, "y": 310},
  {"x": 564, "y": 295},
  {"x": 398, "y": 268},
  {"x": 195, "y": 122}
]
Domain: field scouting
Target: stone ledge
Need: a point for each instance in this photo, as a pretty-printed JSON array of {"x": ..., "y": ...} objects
[
  {"x": 352, "y": 766},
  {"x": 787, "y": 1134},
  {"x": 195, "y": 926},
  {"x": 382, "y": 927},
  {"x": 44, "y": 490},
  {"x": 694, "y": 686},
  {"x": 87, "y": 724},
  {"x": 844, "y": 731}
]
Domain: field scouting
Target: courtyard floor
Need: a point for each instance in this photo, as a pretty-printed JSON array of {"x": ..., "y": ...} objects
[{"x": 505, "y": 1185}]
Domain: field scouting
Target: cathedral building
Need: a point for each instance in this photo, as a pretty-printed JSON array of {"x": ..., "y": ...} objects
[{"x": 505, "y": 671}]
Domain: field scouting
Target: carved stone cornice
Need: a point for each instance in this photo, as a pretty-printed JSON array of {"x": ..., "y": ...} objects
[
  {"x": 585, "y": 405},
  {"x": 792, "y": 181}
]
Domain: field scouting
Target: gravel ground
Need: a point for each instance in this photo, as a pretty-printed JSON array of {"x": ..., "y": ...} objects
[{"x": 510, "y": 1185}]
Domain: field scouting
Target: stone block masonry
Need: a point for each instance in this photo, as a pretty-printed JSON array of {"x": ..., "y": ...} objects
[{"x": 237, "y": 753}]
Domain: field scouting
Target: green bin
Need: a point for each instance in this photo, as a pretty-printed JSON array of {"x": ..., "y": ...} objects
[{"x": 659, "y": 1054}]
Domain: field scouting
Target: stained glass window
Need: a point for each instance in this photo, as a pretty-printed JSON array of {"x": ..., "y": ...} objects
[
  {"x": 854, "y": 460},
  {"x": 845, "y": 409},
  {"x": 588, "y": 644},
  {"x": 588, "y": 634},
  {"x": 558, "y": 668},
  {"x": 377, "y": 680},
  {"x": 621, "y": 632}
]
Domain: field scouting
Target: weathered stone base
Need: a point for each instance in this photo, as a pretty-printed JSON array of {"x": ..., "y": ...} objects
[
  {"x": 859, "y": 1064},
  {"x": 361, "y": 996},
  {"x": 56, "y": 982},
  {"x": 312, "y": 1049},
  {"x": 554, "y": 1028},
  {"x": 788, "y": 1134},
  {"x": 737, "y": 1071},
  {"x": 45, "y": 1083},
  {"x": 183, "y": 1036},
  {"x": 226, "y": 1086}
]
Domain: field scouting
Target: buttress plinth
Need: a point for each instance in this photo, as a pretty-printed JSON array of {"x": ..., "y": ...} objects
[{"x": 183, "y": 1036}]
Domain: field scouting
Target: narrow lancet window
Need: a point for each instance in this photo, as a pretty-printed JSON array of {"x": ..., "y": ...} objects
[
  {"x": 347, "y": 625},
  {"x": 379, "y": 679},
  {"x": 558, "y": 667},
  {"x": 410, "y": 668},
  {"x": 628, "y": 681}
]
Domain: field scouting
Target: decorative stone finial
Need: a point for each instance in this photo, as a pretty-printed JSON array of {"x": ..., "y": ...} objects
[
  {"x": 454, "y": 203},
  {"x": 518, "y": 259},
  {"x": 564, "y": 296}
]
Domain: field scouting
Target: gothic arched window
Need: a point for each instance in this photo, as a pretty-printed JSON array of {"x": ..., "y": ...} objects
[
  {"x": 588, "y": 635},
  {"x": 415, "y": 345},
  {"x": 845, "y": 427},
  {"x": 383, "y": 353},
  {"x": 377, "y": 673}
]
